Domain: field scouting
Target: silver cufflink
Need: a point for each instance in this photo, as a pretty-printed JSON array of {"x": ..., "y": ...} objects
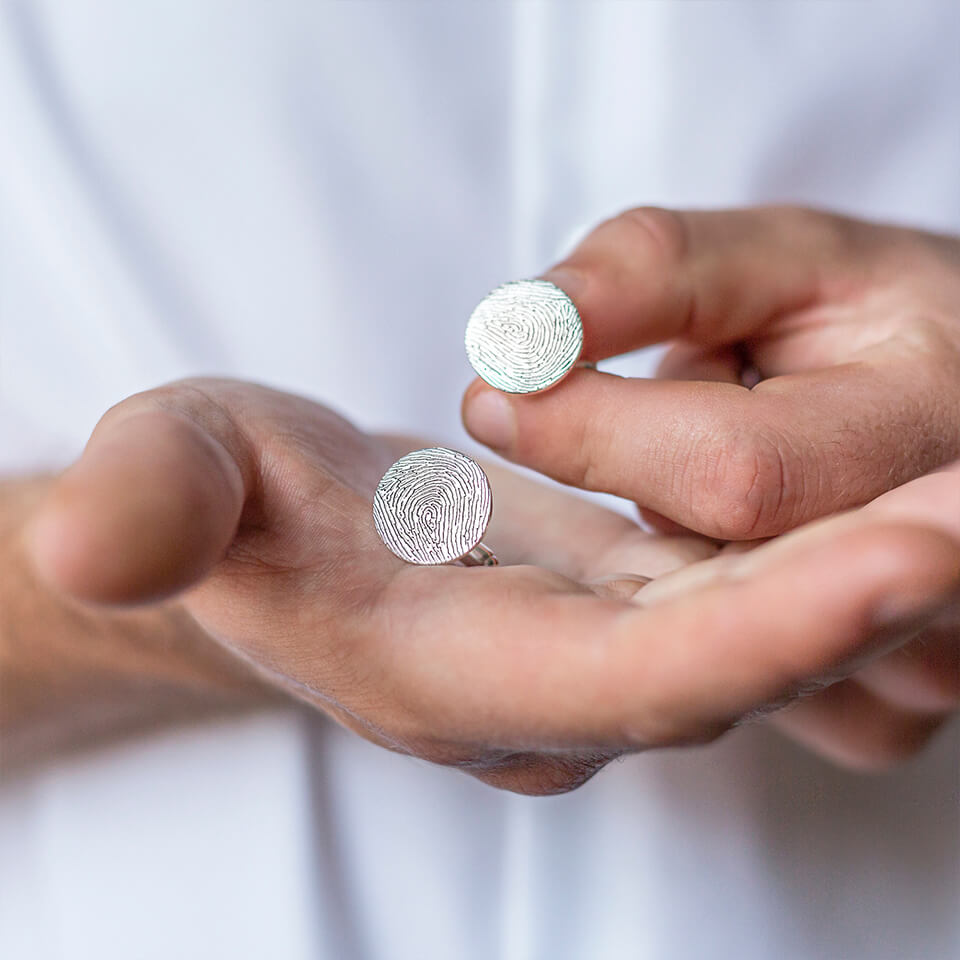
[
  {"x": 433, "y": 506},
  {"x": 524, "y": 337}
]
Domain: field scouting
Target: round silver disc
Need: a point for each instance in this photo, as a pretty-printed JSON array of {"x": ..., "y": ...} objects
[
  {"x": 524, "y": 337},
  {"x": 432, "y": 506}
]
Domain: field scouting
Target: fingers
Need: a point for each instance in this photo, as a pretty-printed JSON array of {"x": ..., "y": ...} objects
[
  {"x": 923, "y": 676},
  {"x": 150, "y": 506},
  {"x": 537, "y": 524},
  {"x": 849, "y": 725},
  {"x": 712, "y": 277},
  {"x": 521, "y": 660},
  {"x": 894, "y": 702},
  {"x": 723, "y": 460},
  {"x": 933, "y": 500},
  {"x": 857, "y": 409}
]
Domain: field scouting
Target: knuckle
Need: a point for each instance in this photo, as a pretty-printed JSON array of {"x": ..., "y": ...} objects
[
  {"x": 797, "y": 217},
  {"x": 652, "y": 235},
  {"x": 590, "y": 461},
  {"x": 591, "y": 465},
  {"x": 656, "y": 233},
  {"x": 817, "y": 227},
  {"x": 748, "y": 485}
]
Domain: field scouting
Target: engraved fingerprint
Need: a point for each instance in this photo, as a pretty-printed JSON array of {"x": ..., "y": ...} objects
[
  {"x": 432, "y": 506},
  {"x": 524, "y": 336}
]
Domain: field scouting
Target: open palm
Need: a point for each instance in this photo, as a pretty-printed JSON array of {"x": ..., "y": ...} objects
[{"x": 252, "y": 509}]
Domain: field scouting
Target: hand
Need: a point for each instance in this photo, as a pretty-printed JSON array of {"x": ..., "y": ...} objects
[
  {"x": 851, "y": 329},
  {"x": 881, "y": 707},
  {"x": 253, "y": 507}
]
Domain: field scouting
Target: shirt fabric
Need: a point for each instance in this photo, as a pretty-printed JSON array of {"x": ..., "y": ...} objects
[{"x": 314, "y": 195}]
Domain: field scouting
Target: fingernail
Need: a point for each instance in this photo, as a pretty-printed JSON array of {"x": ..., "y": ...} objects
[{"x": 488, "y": 417}]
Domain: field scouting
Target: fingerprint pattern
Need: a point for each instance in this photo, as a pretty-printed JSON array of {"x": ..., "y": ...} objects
[
  {"x": 524, "y": 336},
  {"x": 432, "y": 506}
]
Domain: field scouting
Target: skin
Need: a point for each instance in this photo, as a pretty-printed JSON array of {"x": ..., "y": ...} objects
[
  {"x": 214, "y": 545},
  {"x": 813, "y": 364}
]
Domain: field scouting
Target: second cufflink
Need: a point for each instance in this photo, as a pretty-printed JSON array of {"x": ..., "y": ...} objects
[{"x": 433, "y": 506}]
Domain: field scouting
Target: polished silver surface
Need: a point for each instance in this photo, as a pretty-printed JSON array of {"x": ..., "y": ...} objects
[
  {"x": 524, "y": 337},
  {"x": 433, "y": 506}
]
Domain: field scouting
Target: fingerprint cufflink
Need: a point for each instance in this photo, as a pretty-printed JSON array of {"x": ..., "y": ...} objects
[
  {"x": 524, "y": 337},
  {"x": 433, "y": 506}
]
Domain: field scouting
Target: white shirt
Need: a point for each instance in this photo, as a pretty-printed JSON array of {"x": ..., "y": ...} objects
[{"x": 315, "y": 195}]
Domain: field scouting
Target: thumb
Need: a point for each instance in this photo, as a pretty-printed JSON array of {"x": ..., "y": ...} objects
[{"x": 151, "y": 505}]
